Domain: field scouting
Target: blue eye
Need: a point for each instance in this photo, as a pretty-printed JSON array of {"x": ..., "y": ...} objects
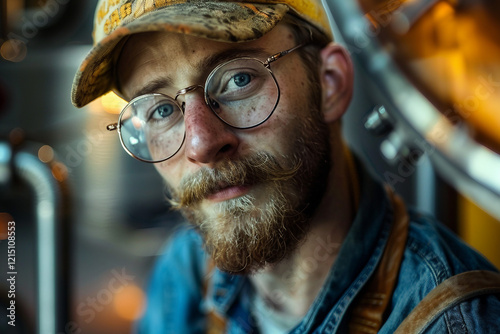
[
  {"x": 163, "y": 111},
  {"x": 242, "y": 79}
]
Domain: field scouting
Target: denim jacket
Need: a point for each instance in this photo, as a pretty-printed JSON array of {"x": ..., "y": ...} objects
[{"x": 178, "y": 304}]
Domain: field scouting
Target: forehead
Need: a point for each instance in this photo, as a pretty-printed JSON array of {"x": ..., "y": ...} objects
[{"x": 179, "y": 59}]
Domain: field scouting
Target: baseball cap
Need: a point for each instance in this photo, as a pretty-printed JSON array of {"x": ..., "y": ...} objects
[{"x": 220, "y": 20}]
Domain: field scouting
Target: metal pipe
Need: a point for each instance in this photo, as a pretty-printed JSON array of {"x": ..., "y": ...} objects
[{"x": 50, "y": 246}]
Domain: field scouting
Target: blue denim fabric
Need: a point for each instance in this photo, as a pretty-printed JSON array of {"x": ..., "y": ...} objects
[{"x": 432, "y": 254}]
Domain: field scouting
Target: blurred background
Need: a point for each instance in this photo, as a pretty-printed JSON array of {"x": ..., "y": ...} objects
[{"x": 90, "y": 220}]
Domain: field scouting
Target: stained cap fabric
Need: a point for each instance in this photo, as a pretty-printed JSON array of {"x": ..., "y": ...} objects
[{"x": 227, "y": 21}]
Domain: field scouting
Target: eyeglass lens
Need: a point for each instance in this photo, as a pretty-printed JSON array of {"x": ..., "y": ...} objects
[{"x": 242, "y": 93}]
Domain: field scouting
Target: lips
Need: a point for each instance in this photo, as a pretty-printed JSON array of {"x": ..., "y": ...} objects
[
  {"x": 226, "y": 192},
  {"x": 232, "y": 179}
]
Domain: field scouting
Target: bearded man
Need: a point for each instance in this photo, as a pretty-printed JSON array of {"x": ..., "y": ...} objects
[{"x": 238, "y": 105}]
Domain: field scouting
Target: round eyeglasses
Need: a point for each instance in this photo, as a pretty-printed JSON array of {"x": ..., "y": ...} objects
[{"x": 243, "y": 93}]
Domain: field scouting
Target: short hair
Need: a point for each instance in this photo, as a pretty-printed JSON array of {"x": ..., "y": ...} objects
[{"x": 314, "y": 41}]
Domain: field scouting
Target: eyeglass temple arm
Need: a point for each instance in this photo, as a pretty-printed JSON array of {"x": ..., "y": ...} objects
[
  {"x": 112, "y": 127},
  {"x": 278, "y": 55}
]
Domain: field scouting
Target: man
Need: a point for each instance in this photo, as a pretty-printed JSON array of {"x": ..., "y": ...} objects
[{"x": 238, "y": 105}]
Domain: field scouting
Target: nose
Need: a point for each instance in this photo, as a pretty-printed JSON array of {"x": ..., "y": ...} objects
[{"x": 208, "y": 139}]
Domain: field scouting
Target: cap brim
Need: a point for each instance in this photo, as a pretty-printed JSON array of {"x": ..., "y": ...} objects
[{"x": 220, "y": 21}]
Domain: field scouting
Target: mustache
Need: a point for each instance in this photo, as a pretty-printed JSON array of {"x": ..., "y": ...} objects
[{"x": 260, "y": 167}]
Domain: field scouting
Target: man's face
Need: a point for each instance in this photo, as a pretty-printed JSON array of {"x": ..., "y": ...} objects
[{"x": 250, "y": 192}]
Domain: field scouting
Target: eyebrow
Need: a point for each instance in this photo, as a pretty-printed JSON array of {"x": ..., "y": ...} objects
[
  {"x": 153, "y": 86},
  {"x": 209, "y": 63},
  {"x": 204, "y": 67}
]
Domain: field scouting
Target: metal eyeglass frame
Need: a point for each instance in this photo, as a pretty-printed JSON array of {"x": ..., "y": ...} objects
[{"x": 266, "y": 64}]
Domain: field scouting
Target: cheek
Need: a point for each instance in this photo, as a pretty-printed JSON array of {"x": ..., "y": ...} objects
[
  {"x": 286, "y": 124},
  {"x": 295, "y": 91},
  {"x": 276, "y": 136},
  {"x": 293, "y": 108},
  {"x": 170, "y": 171}
]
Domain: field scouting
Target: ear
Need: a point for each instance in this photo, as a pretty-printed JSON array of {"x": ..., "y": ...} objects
[{"x": 337, "y": 79}]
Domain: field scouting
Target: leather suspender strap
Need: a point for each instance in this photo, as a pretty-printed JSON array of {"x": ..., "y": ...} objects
[
  {"x": 216, "y": 324},
  {"x": 448, "y": 294},
  {"x": 368, "y": 313}
]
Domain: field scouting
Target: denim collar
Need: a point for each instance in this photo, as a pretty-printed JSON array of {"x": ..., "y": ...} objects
[{"x": 357, "y": 259}]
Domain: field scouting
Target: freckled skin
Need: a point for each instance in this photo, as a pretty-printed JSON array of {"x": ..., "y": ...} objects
[
  {"x": 160, "y": 144},
  {"x": 152, "y": 56}
]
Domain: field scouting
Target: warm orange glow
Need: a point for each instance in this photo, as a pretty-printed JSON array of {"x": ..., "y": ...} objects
[
  {"x": 5, "y": 218},
  {"x": 59, "y": 171},
  {"x": 46, "y": 154},
  {"x": 13, "y": 50},
  {"x": 129, "y": 302},
  {"x": 451, "y": 53},
  {"x": 15, "y": 10},
  {"x": 110, "y": 103},
  {"x": 479, "y": 229}
]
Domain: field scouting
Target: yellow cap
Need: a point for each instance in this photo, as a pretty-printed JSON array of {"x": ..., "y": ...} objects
[{"x": 228, "y": 21}]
